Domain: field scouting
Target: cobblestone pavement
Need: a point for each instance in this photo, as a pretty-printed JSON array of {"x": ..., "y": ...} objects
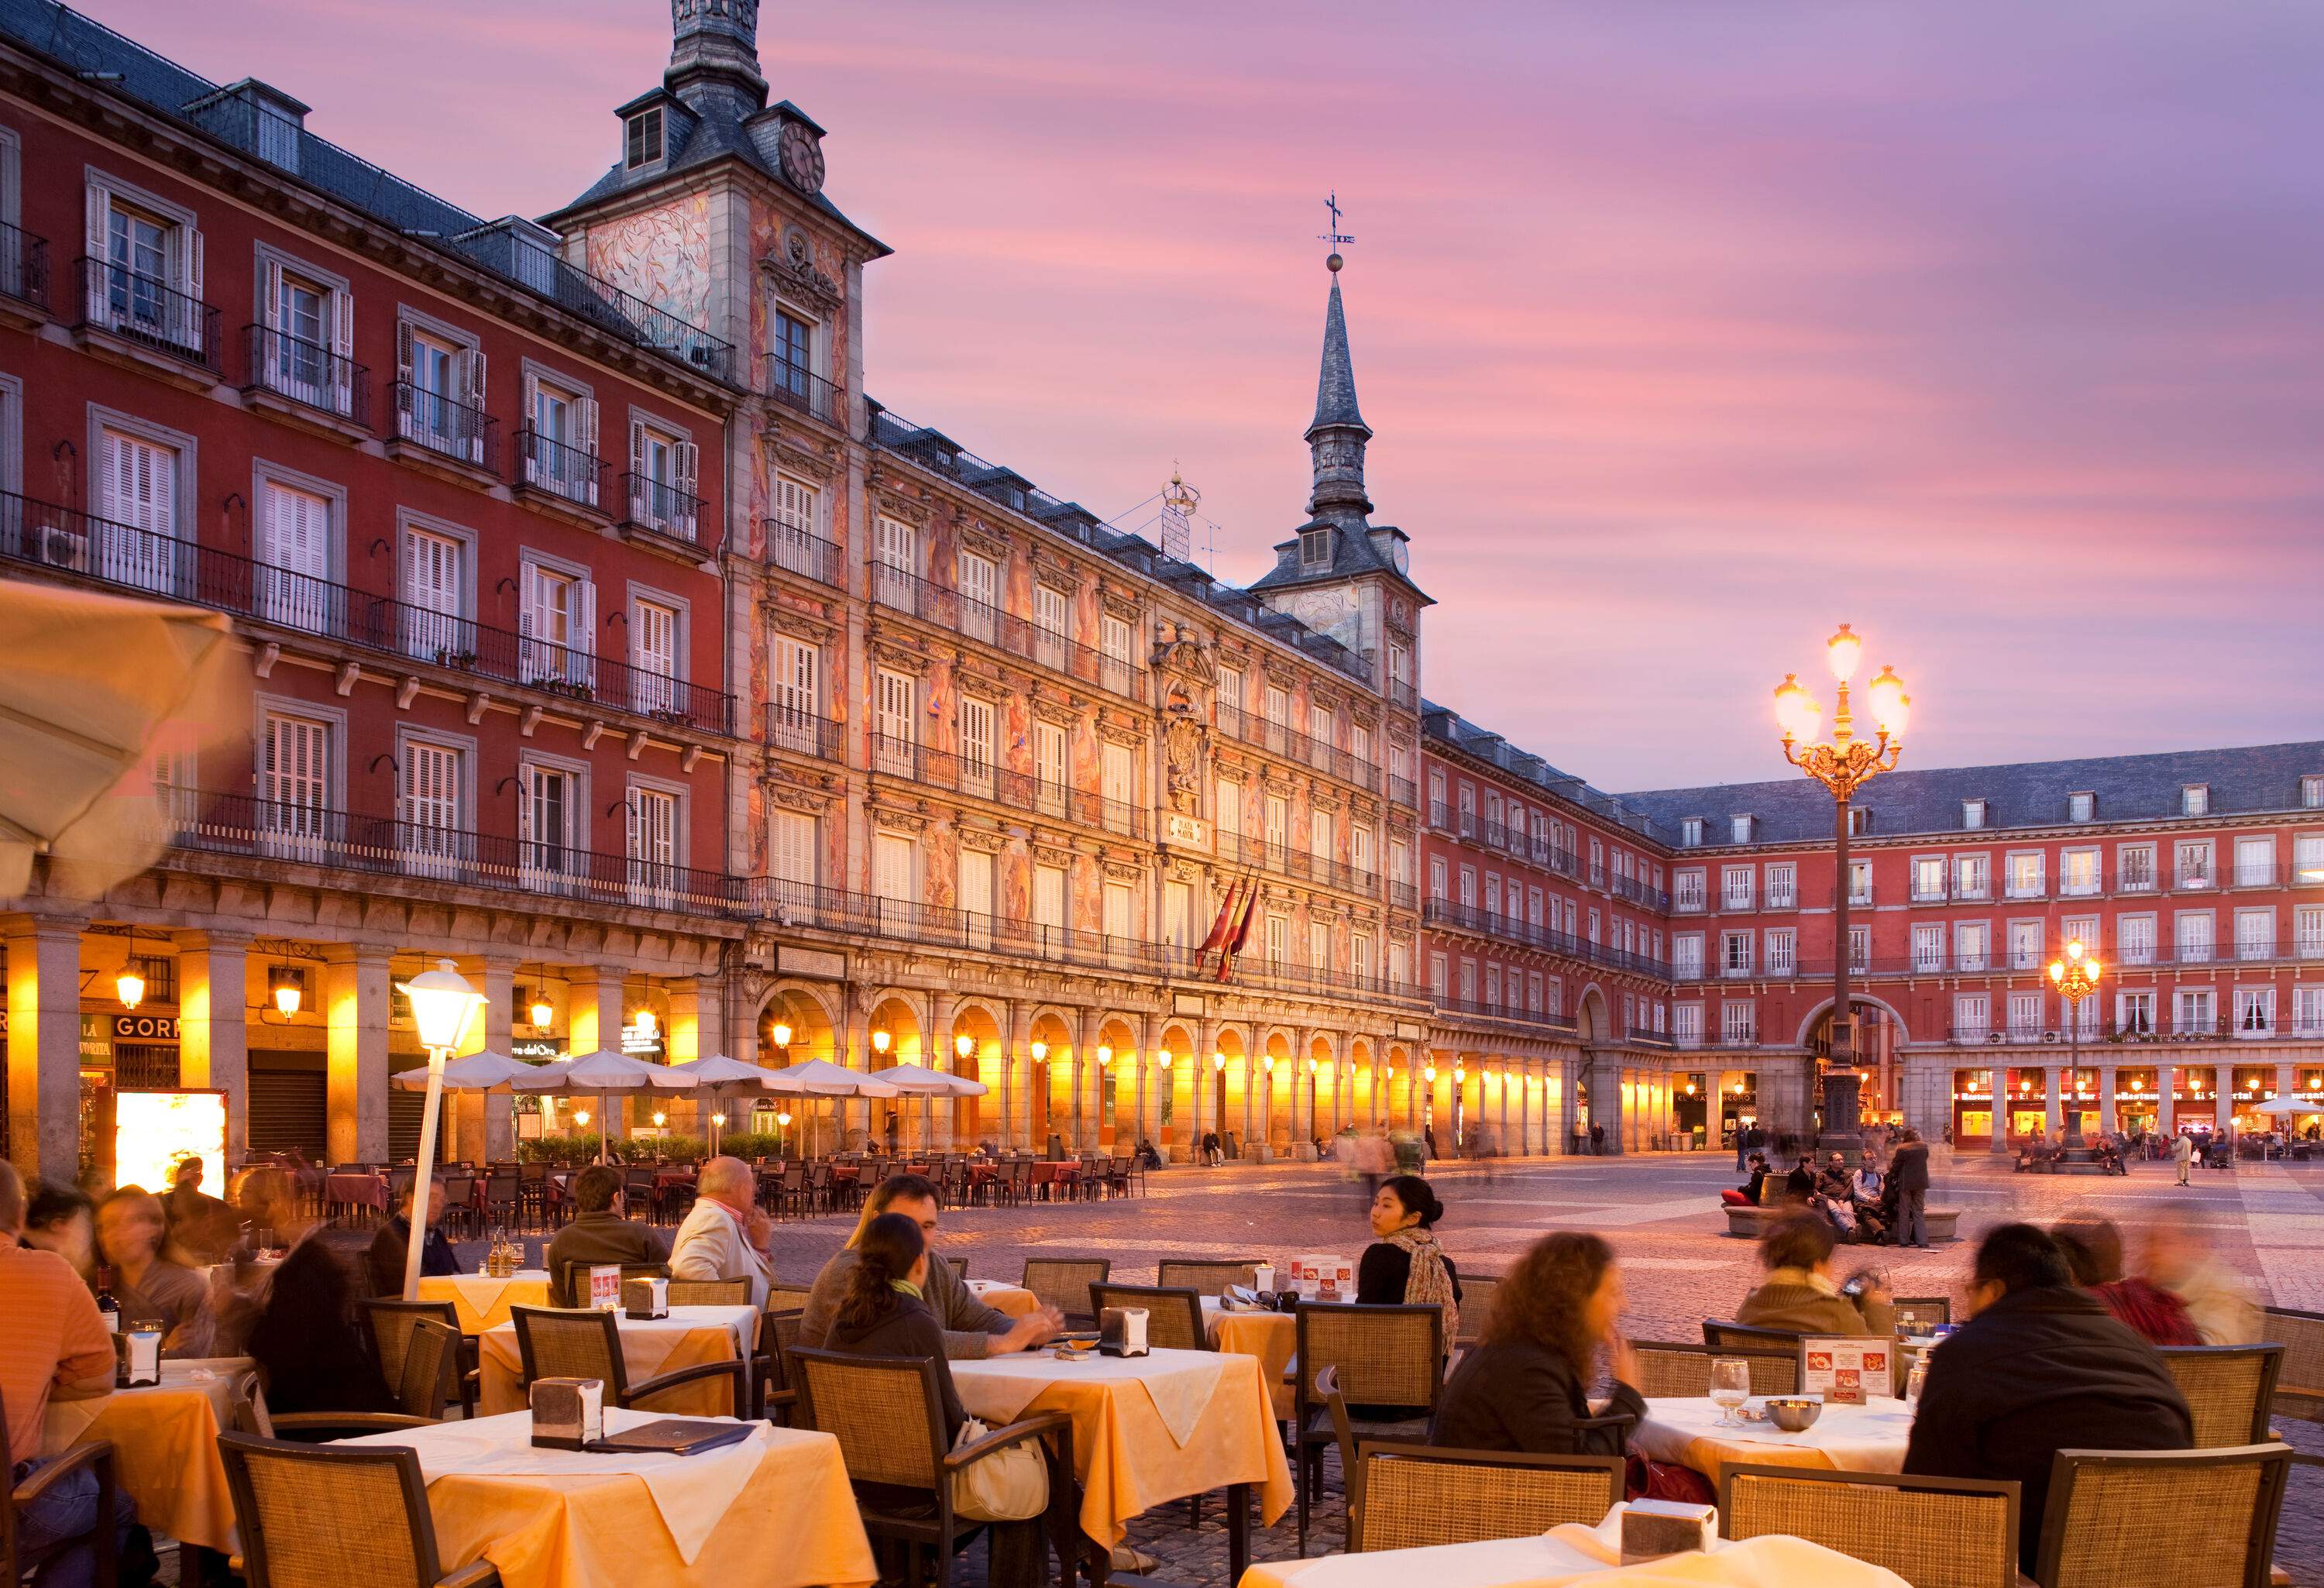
[{"x": 1659, "y": 1213}]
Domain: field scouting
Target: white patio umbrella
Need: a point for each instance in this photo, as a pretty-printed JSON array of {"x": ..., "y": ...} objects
[
  {"x": 819, "y": 1077},
  {"x": 594, "y": 1075},
  {"x": 716, "y": 1072},
  {"x": 927, "y": 1084},
  {"x": 471, "y": 1072},
  {"x": 2288, "y": 1105}
]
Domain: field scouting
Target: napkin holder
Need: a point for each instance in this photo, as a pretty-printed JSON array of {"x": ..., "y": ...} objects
[
  {"x": 606, "y": 1287},
  {"x": 567, "y": 1414},
  {"x": 1122, "y": 1332},
  {"x": 1653, "y": 1528},
  {"x": 645, "y": 1298},
  {"x": 136, "y": 1358}
]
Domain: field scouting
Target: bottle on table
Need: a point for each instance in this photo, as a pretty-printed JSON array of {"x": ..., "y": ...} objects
[{"x": 107, "y": 1307}]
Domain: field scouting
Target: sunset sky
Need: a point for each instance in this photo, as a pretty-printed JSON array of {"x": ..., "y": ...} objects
[{"x": 1687, "y": 328}]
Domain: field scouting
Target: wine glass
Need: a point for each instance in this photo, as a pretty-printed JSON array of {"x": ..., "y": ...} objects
[{"x": 1730, "y": 1387}]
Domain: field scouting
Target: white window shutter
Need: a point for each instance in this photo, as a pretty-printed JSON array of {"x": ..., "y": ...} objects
[
  {"x": 528, "y": 784},
  {"x": 585, "y": 641},
  {"x": 270, "y": 307},
  {"x": 588, "y": 446},
  {"x": 529, "y": 600},
  {"x": 342, "y": 344},
  {"x": 643, "y": 507},
  {"x": 192, "y": 244},
  {"x": 637, "y": 448},
  {"x": 95, "y": 245},
  {"x": 688, "y": 465},
  {"x": 474, "y": 394},
  {"x": 633, "y": 830},
  {"x": 406, "y": 372}
]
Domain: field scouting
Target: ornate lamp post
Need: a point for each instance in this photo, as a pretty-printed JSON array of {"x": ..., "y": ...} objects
[
  {"x": 1842, "y": 766},
  {"x": 2076, "y": 977}
]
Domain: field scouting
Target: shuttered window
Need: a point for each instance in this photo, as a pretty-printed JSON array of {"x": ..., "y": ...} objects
[
  {"x": 137, "y": 543},
  {"x": 798, "y": 694},
  {"x": 653, "y": 651},
  {"x": 893, "y": 701},
  {"x": 295, "y": 782},
  {"x": 297, "y": 556},
  {"x": 976, "y": 744},
  {"x": 895, "y": 869},
  {"x": 432, "y": 594},
  {"x": 431, "y": 808},
  {"x": 791, "y": 862}
]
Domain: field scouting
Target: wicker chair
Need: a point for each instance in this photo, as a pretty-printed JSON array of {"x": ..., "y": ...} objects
[
  {"x": 429, "y": 1383},
  {"x": 2110, "y": 1507},
  {"x": 783, "y": 1297},
  {"x": 773, "y": 1394},
  {"x": 380, "y": 1532},
  {"x": 710, "y": 1292},
  {"x": 1733, "y": 1336},
  {"x": 1406, "y": 1496},
  {"x": 1388, "y": 1362},
  {"x": 18, "y": 1558},
  {"x": 888, "y": 1419},
  {"x": 1670, "y": 1370},
  {"x": 391, "y": 1322},
  {"x": 1924, "y": 1315},
  {"x": 2228, "y": 1388},
  {"x": 959, "y": 1267},
  {"x": 1207, "y": 1278},
  {"x": 1477, "y": 1294},
  {"x": 1932, "y": 1532},
  {"x": 557, "y": 1344},
  {"x": 1063, "y": 1283},
  {"x": 1173, "y": 1317},
  {"x": 2300, "y": 1382},
  {"x": 569, "y": 1281}
]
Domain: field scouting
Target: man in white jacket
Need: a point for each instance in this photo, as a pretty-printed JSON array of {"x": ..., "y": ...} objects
[
  {"x": 2182, "y": 1153},
  {"x": 725, "y": 1234}
]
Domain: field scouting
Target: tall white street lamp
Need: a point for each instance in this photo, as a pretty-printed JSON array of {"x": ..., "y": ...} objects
[{"x": 442, "y": 1005}]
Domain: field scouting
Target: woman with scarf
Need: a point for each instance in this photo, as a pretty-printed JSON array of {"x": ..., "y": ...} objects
[{"x": 1405, "y": 1265}]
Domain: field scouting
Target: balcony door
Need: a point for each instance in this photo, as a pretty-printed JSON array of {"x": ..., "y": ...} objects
[
  {"x": 547, "y": 803},
  {"x": 293, "y": 585},
  {"x": 137, "y": 543},
  {"x": 432, "y": 629},
  {"x": 653, "y": 639},
  {"x": 790, "y": 862},
  {"x": 791, "y": 721},
  {"x": 976, "y": 897},
  {"x": 294, "y": 789},
  {"x": 428, "y": 842},
  {"x": 654, "y": 882}
]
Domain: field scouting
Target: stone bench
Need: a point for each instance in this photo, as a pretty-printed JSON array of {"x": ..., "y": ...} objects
[{"x": 1751, "y": 1222}]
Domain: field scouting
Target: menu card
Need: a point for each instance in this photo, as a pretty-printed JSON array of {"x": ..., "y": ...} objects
[
  {"x": 606, "y": 1287},
  {"x": 1322, "y": 1277},
  {"x": 1846, "y": 1370}
]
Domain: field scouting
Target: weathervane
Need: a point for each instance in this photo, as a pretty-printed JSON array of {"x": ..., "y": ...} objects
[{"x": 1334, "y": 236}]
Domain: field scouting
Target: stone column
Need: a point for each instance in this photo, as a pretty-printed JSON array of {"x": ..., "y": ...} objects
[
  {"x": 2054, "y": 1115},
  {"x": 44, "y": 1047},
  {"x": 1206, "y": 1111},
  {"x": 939, "y": 1129},
  {"x": 1149, "y": 1033},
  {"x": 214, "y": 1032},
  {"x": 1085, "y": 1075},
  {"x": 1017, "y": 1077},
  {"x": 355, "y": 1011},
  {"x": 1251, "y": 1072},
  {"x": 2223, "y": 1097},
  {"x": 2166, "y": 1102},
  {"x": 856, "y": 1054},
  {"x": 2108, "y": 1118},
  {"x": 483, "y": 1123}
]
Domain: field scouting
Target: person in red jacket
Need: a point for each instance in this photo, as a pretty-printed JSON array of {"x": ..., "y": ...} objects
[{"x": 2093, "y": 1249}]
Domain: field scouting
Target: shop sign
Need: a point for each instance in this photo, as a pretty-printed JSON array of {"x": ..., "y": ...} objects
[
  {"x": 95, "y": 1041},
  {"x": 641, "y": 1044},
  {"x": 534, "y": 1049},
  {"x": 145, "y": 1027}
]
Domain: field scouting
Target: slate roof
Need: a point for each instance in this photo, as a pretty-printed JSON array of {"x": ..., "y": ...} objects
[
  {"x": 2245, "y": 780},
  {"x": 1448, "y": 727},
  {"x": 1335, "y": 383}
]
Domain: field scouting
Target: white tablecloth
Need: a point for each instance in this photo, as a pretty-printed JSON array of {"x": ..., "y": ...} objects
[
  {"x": 1180, "y": 1383},
  {"x": 213, "y": 1376},
  {"x": 1868, "y": 1438}
]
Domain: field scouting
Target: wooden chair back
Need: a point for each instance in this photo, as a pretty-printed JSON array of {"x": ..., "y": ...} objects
[
  {"x": 553, "y": 1343},
  {"x": 710, "y": 1292},
  {"x": 884, "y": 1411},
  {"x": 1733, "y": 1336},
  {"x": 1685, "y": 1371},
  {"x": 1478, "y": 1292},
  {"x": 379, "y": 1530},
  {"x": 1933, "y": 1532},
  {"x": 1174, "y": 1316},
  {"x": 1414, "y": 1495},
  {"x": 1208, "y": 1278},
  {"x": 391, "y": 1321},
  {"x": 1063, "y": 1282},
  {"x": 2168, "y": 1507},
  {"x": 431, "y": 1379},
  {"x": 1924, "y": 1315},
  {"x": 2300, "y": 1381},
  {"x": 2230, "y": 1388},
  {"x": 1385, "y": 1356}
]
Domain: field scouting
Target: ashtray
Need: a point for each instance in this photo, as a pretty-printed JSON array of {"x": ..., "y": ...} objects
[{"x": 1793, "y": 1414}]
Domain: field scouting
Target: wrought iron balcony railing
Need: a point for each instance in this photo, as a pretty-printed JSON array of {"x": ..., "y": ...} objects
[
  {"x": 1289, "y": 743},
  {"x": 808, "y": 555},
  {"x": 561, "y": 470},
  {"x": 980, "y": 777},
  {"x": 908, "y": 592},
  {"x": 309, "y": 374},
  {"x": 131, "y": 559},
  {"x": 794, "y": 385},
  {"x": 661, "y": 508},
  {"x": 801, "y": 731},
  {"x": 147, "y": 311},
  {"x": 23, "y": 266},
  {"x": 446, "y": 426},
  {"x": 1510, "y": 929}
]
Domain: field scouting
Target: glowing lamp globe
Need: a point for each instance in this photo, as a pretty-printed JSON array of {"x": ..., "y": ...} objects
[
  {"x": 442, "y": 1004},
  {"x": 1842, "y": 650},
  {"x": 542, "y": 1012},
  {"x": 1890, "y": 706},
  {"x": 963, "y": 1045},
  {"x": 781, "y": 1032},
  {"x": 1796, "y": 712},
  {"x": 285, "y": 989},
  {"x": 131, "y": 987},
  {"x": 879, "y": 1041}
]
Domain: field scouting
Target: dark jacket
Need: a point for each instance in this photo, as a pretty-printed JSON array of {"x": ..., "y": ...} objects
[
  {"x": 1909, "y": 1169},
  {"x": 596, "y": 1238},
  {"x": 1800, "y": 1183},
  {"x": 388, "y": 1248},
  {"x": 1515, "y": 1395},
  {"x": 2039, "y": 1371},
  {"x": 968, "y": 1326},
  {"x": 1385, "y": 1270},
  {"x": 906, "y": 1329}
]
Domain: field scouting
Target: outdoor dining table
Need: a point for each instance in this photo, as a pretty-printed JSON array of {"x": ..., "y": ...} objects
[
  {"x": 1273, "y": 1337},
  {"x": 1002, "y": 1297},
  {"x": 480, "y": 1301},
  {"x": 1147, "y": 1429},
  {"x": 1575, "y": 1553},
  {"x": 773, "y": 1511},
  {"x": 354, "y": 1190},
  {"x": 1868, "y": 1438},
  {"x": 165, "y": 1445},
  {"x": 689, "y": 1335}
]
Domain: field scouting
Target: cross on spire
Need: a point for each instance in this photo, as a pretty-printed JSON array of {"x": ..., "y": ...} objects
[{"x": 1334, "y": 236}]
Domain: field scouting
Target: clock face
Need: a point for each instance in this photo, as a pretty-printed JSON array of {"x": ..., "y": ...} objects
[
  {"x": 802, "y": 159},
  {"x": 1400, "y": 555}
]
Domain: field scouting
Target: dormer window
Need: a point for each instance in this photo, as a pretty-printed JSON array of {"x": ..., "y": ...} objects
[
  {"x": 643, "y": 145},
  {"x": 2311, "y": 792},
  {"x": 1316, "y": 547},
  {"x": 1859, "y": 821},
  {"x": 2195, "y": 799},
  {"x": 1972, "y": 814},
  {"x": 2082, "y": 808},
  {"x": 1740, "y": 828},
  {"x": 1690, "y": 832}
]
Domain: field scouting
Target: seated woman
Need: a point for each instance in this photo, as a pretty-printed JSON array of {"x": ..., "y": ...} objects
[
  {"x": 1404, "y": 1264},
  {"x": 130, "y": 1231},
  {"x": 882, "y": 1315},
  {"x": 1527, "y": 1387},
  {"x": 1799, "y": 1296},
  {"x": 311, "y": 1351},
  {"x": 1748, "y": 1194}
]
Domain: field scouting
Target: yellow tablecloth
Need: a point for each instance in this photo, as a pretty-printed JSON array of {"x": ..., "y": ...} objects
[
  {"x": 1578, "y": 1554},
  {"x": 1125, "y": 1457},
  {"x": 793, "y": 1522},
  {"x": 1273, "y": 1337},
  {"x": 1868, "y": 1438},
  {"x": 481, "y": 1303},
  {"x": 165, "y": 1447},
  {"x": 1013, "y": 1299},
  {"x": 683, "y": 1340}
]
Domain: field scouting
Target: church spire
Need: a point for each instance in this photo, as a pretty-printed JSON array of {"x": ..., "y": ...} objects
[
  {"x": 1336, "y": 437},
  {"x": 713, "y": 56}
]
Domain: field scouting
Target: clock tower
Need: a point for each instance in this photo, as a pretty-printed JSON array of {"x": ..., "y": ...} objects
[{"x": 1342, "y": 574}]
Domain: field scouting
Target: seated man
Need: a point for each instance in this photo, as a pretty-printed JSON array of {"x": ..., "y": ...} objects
[
  {"x": 202, "y": 1229},
  {"x": 2040, "y": 1367},
  {"x": 391, "y": 1245},
  {"x": 600, "y": 1232},
  {"x": 1748, "y": 1195},
  {"x": 52, "y": 1343},
  {"x": 725, "y": 1234},
  {"x": 1800, "y": 1183},
  {"x": 971, "y": 1329}
]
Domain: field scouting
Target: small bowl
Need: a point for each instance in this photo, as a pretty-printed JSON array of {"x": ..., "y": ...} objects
[{"x": 1794, "y": 1413}]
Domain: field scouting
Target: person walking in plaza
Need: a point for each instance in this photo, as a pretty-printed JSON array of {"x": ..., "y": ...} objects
[
  {"x": 1798, "y": 1294},
  {"x": 1597, "y": 1139},
  {"x": 1908, "y": 1179},
  {"x": 1526, "y": 1385},
  {"x": 971, "y": 1330},
  {"x": 601, "y": 1233},
  {"x": 2179, "y": 1258},
  {"x": 2039, "y": 1367},
  {"x": 725, "y": 1234},
  {"x": 2182, "y": 1153}
]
